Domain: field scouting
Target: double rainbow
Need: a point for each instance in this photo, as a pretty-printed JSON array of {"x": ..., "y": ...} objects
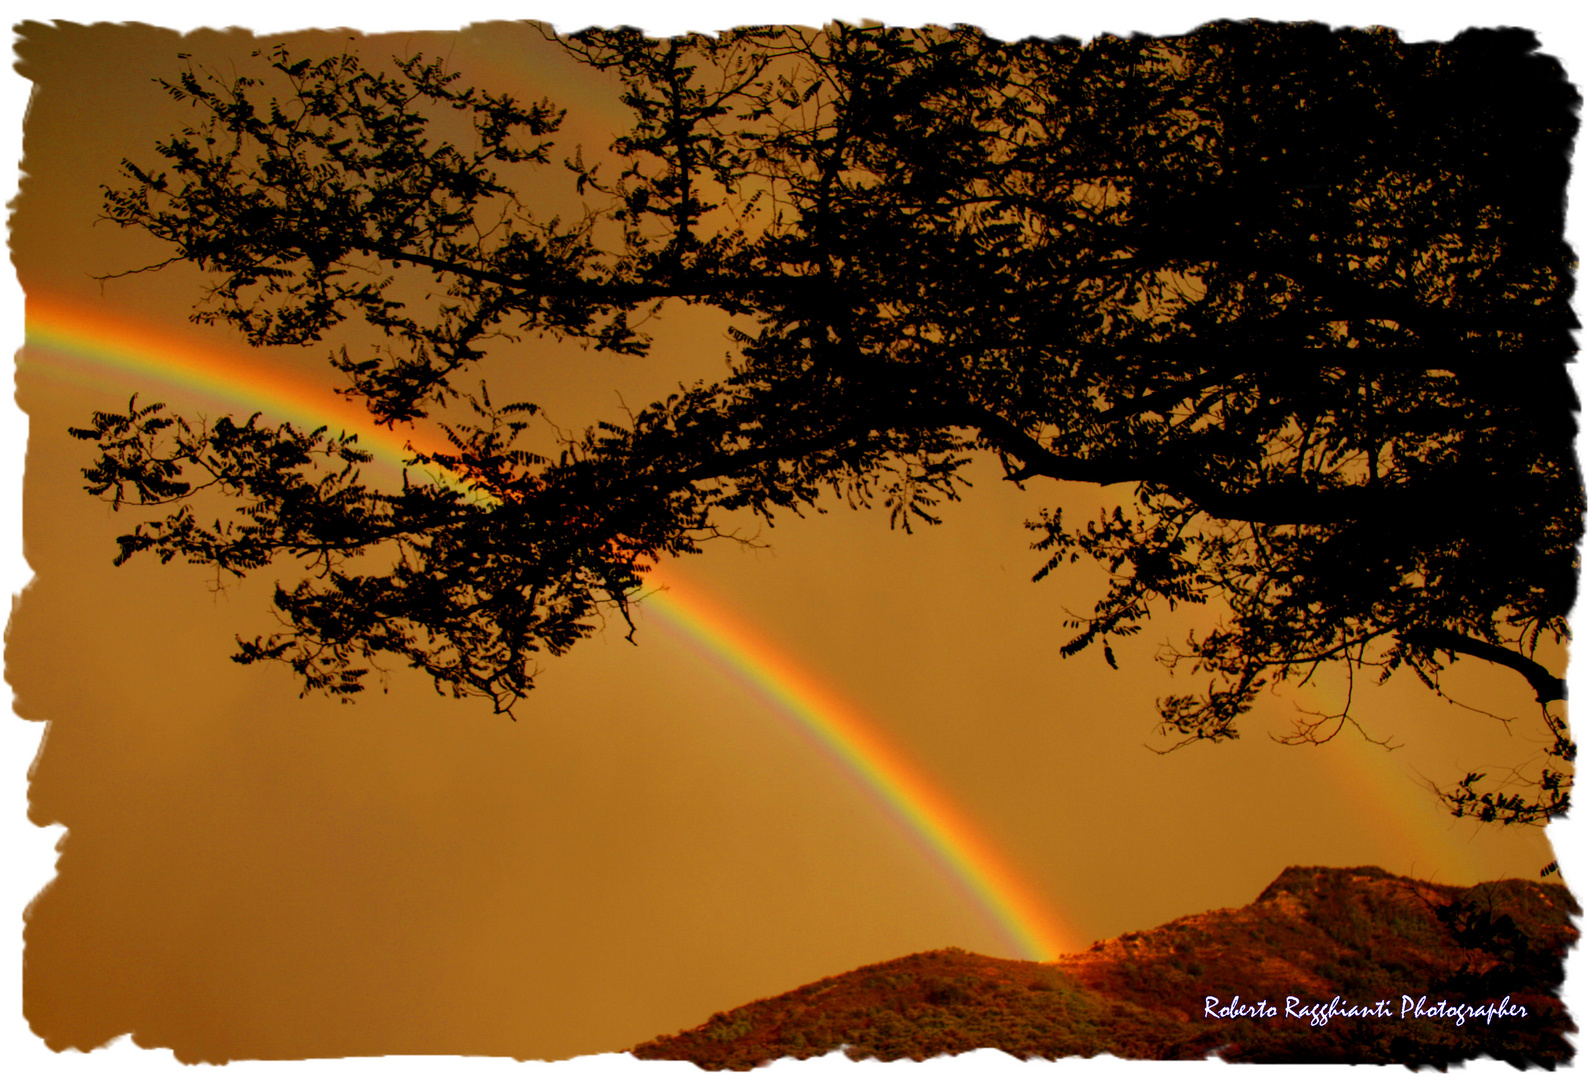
[{"x": 73, "y": 344}]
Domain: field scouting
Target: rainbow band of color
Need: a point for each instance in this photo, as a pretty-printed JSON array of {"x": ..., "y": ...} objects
[
  {"x": 86, "y": 347},
  {"x": 853, "y": 745}
]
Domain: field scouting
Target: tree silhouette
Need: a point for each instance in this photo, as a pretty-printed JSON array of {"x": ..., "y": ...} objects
[{"x": 1305, "y": 290}]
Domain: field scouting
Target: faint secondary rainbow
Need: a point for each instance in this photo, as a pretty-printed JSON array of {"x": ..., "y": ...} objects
[
  {"x": 1387, "y": 789},
  {"x": 858, "y": 749},
  {"x": 85, "y": 347}
]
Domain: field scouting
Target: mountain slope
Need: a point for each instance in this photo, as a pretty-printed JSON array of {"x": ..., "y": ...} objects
[{"x": 1374, "y": 942}]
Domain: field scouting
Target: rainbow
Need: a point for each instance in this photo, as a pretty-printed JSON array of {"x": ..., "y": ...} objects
[
  {"x": 83, "y": 346},
  {"x": 1381, "y": 782},
  {"x": 856, "y": 747}
]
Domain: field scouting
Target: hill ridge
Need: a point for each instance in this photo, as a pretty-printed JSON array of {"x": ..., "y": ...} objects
[{"x": 1356, "y": 935}]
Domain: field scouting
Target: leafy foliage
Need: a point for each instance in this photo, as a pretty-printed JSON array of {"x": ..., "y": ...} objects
[{"x": 1305, "y": 291}]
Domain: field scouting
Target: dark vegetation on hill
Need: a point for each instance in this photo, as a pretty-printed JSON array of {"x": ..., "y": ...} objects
[{"x": 1362, "y": 935}]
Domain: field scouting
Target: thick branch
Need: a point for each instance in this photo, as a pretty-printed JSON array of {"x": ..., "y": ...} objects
[
  {"x": 1296, "y": 503},
  {"x": 1547, "y": 686}
]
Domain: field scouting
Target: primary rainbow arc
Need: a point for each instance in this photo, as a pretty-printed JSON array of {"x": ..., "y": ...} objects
[
  {"x": 111, "y": 348},
  {"x": 853, "y": 744}
]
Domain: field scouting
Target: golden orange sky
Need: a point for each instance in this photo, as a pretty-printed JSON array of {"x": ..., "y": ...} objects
[{"x": 250, "y": 874}]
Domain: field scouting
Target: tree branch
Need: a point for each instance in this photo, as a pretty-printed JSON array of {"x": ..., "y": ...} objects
[
  {"x": 1548, "y": 687},
  {"x": 1287, "y": 503}
]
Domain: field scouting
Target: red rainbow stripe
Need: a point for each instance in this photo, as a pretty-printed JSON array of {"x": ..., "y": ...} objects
[
  {"x": 74, "y": 344},
  {"x": 934, "y": 822}
]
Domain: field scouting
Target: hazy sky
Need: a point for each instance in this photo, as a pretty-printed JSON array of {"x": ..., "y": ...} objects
[{"x": 251, "y": 874}]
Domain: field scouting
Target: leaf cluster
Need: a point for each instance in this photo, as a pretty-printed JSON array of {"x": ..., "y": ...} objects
[{"x": 1302, "y": 293}]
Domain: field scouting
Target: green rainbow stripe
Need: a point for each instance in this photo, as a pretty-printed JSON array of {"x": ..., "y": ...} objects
[
  {"x": 73, "y": 344},
  {"x": 859, "y": 750},
  {"x": 82, "y": 346}
]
